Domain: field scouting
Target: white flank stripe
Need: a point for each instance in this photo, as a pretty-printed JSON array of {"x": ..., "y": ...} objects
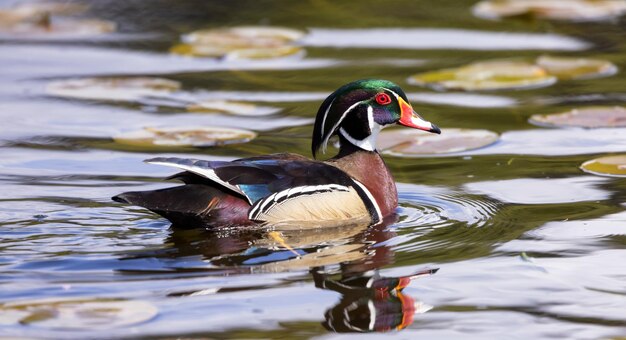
[
  {"x": 267, "y": 203},
  {"x": 371, "y": 198},
  {"x": 280, "y": 194},
  {"x": 269, "y": 200},
  {"x": 253, "y": 211}
]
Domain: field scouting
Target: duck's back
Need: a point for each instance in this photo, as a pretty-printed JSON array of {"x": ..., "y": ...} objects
[{"x": 268, "y": 189}]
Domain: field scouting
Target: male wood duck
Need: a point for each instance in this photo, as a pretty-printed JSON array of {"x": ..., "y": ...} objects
[
  {"x": 370, "y": 302},
  {"x": 288, "y": 188}
]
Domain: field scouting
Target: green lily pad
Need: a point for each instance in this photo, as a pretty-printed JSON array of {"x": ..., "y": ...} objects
[
  {"x": 184, "y": 136},
  {"x": 571, "y": 10},
  {"x": 613, "y": 166},
  {"x": 576, "y": 68},
  {"x": 50, "y": 20},
  {"x": 113, "y": 88},
  {"x": 415, "y": 143},
  {"x": 588, "y": 117},
  {"x": 83, "y": 314},
  {"x": 231, "y": 107},
  {"x": 488, "y": 75},
  {"x": 245, "y": 42}
]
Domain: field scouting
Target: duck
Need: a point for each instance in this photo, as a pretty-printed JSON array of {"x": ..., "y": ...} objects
[{"x": 354, "y": 185}]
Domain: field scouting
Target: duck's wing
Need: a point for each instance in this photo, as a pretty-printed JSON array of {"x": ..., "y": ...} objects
[{"x": 285, "y": 186}]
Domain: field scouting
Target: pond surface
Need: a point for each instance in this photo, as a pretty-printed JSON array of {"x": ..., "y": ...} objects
[{"x": 527, "y": 245}]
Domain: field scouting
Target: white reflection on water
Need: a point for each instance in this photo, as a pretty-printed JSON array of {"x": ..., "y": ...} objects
[
  {"x": 541, "y": 191},
  {"x": 432, "y": 38},
  {"x": 555, "y": 142},
  {"x": 452, "y": 99},
  {"x": 29, "y": 61},
  {"x": 462, "y": 99},
  {"x": 38, "y": 162},
  {"x": 65, "y": 118},
  {"x": 565, "y": 237}
]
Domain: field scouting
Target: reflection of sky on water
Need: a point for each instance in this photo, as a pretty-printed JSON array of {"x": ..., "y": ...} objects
[
  {"x": 541, "y": 191},
  {"x": 431, "y": 38}
]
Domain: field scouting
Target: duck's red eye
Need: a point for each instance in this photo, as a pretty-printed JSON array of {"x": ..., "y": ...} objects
[{"x": 383, "y": 99}]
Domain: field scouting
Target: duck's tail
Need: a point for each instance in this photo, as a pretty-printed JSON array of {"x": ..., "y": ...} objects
[{"x": 190, "y": 205}]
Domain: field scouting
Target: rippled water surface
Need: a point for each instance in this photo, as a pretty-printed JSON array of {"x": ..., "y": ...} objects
[{"x": 527, "y": 245}]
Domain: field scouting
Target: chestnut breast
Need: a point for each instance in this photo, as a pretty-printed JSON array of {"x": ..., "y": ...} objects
[{"x": 370, "y": 169}]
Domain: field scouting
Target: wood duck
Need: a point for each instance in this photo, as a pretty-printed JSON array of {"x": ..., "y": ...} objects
[
  {"x": 370, "y": 302},
  {"x": 355, "y": 185}
]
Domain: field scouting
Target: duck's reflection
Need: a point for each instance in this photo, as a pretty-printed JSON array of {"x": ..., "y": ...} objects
[
  {"x": 343, "y": 259},
  {"x": 370, "y": 302}
]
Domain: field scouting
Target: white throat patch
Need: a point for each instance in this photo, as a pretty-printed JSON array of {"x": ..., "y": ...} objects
[{"x": 368, "y": 143}]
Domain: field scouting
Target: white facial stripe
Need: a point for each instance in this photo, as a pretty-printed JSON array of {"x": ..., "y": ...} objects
[
  {"x": 326, "y": 115},
  {"x": 370, "y": 118},
  {"x": 392, "y": 92},
  {"x": 368, "y": 143},
  {"x": 325, "y": 141}
]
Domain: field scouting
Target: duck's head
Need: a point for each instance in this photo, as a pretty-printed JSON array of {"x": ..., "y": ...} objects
[{"x": 359, "y": 110}]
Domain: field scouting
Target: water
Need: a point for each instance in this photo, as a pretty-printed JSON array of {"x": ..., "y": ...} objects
[{"x": 527, "y": 245}]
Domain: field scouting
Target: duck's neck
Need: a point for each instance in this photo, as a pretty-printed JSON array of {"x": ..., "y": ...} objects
[{"x": 370, "y": 169}]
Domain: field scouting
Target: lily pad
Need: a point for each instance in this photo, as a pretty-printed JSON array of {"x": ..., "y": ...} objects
[
  {"x": 50, "y": 20},
  {"x": 113, "y": 88},
  {"x": 614, "y": 166},
  {"x": 576, "y": 68},
  {"x": 185, "y": 136},
  {"x": 77, "y": 314},
  {"x": 245, "y": 42},
  {"x": 589, "y": 117},
  {"x": 415, "y": 143},
  {"x": 231, "y": 107},
  {"x": 244, "y": 36},
  {"x": 571, "y": 10},
  {"x": 488, "y": 75}
]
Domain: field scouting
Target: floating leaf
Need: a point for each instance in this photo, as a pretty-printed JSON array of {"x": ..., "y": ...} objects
[
  {"x": 409, "y": 143},
  {"x": 185, "y": 136},
  {"x": 48, "y": 20},
  {"x": 266, "y": 53},
  {"x": 78, "y": 314},
  {"x": 245, "y": 42},
  {"x": 113, "y": 88},
  {"x": 576, "y": 68},
  {"x": 230, "y": 107},
  {"x": 572, "y": 10},
  {"x": 488, "y": 75},
  {"x": 614, "y": 166},
  {"x": 244, "y": 36},
  {"x": 237, "y": 53},
  {"x": 589, "y": 117}
]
